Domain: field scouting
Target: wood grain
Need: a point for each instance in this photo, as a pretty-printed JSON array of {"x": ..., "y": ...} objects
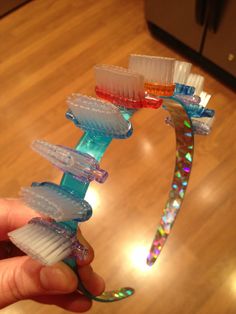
[{"x": 48, "y": 50}]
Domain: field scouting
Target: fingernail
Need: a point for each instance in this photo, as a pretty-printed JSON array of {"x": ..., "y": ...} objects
[{"x": 57, "y": 279}]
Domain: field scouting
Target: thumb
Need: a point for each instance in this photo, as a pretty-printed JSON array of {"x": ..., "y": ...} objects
[{"x": 23, "y": 278}]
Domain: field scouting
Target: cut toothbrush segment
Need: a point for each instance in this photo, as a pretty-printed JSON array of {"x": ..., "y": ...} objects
[
  {"x": 82, "y": 166},
  {"x": 158, "y": 73},
  {"x": 205, "y": 98},
  {"x": 192, "y": 109},
  {"x": 120, "y": 81},
  {"x": 196, "y": 81},
  {"x": 187, "y": 83},
  {"x": 182, "y": 71},
  {"x": 182, "y": 89},
  {"x": 159, "y": 89},
  {"x": 197, "y": 111},
  {"x": 47, "y": 242},
  {"x": 187, "y": 99},
  {"x": 56, "y": 202},
  {"x": 122, "y": 87},
  {"x": 201, "y": 100},
  {"x": 98, "y": 117},
  {"x": 201, "y": 126}
]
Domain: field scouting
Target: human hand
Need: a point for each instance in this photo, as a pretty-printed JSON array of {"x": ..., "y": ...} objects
[{"x": 24, "y": 278}]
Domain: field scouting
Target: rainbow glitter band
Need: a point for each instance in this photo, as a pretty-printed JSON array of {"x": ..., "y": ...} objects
[
  {"x": 108, "y": 296},
  {"x": 183, "y": 165},
  {"x": 159, "y": 90},
  {"x": 146, "y": 102}
]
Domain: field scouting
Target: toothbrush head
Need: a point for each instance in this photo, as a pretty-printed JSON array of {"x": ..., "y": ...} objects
[
  {"x": 98, "y": 117},
  {"x": 182, "y": 71},
  {"x": 47, "y": 242},
  {"x": 188, "y": 99},
  {"x": 181, "y": 74},
  {"x": 205, "y": 98},
  {"x": 81, "y": 166},
  {"x": 56, "y": 202},
  {"x": 123, "y": 87},
  {"x": 158, "y": 73},
  {"x": 197, "y": 81},
  {"x": 202, "y": 126}
]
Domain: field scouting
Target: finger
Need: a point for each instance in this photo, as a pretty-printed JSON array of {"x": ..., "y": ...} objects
[
  {"x": 13, "y": 214},
  {"x": 91, "y": 280},
  {"x": 90, "y": 255},
  {"x": 73, "y": 302},
  {"x": 23, "y": 278}
]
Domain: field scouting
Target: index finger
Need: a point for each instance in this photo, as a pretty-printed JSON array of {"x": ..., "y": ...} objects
[{"x": 13, "y": 214}]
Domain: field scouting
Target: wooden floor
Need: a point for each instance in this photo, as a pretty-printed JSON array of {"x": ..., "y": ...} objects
[{"x": 48, "y": 50}]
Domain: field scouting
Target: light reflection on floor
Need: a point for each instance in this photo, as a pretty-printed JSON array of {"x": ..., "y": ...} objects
[{"x": 137, "y": 255}]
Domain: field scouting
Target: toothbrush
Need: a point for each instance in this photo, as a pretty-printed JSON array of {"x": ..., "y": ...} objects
[
  {"x": 181, "y": 74},
  {"x": 195, "y": 105},
  {"x": 195, "y": 102},
  {"x": 205, "y": 98},
  {"x": 47, "y": 241},
  {"x": 98, "y": 117},
  {"x": 123, "y": 87},
  {"x": 56, "y": 202},
  {"x": 80, "y": 165},
  {"x": 197, "y": 81},
  {"x": 201, "y": 126},
  {"x": 158, "y": 73}
]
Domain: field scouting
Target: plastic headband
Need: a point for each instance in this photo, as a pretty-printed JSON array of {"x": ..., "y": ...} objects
[{"x": 96, "y": 144}]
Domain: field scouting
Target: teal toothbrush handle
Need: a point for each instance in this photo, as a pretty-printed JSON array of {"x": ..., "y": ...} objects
[{"x": 95, "y": 146}]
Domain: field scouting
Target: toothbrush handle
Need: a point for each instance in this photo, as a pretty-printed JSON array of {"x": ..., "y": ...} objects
[{"x": 96, "y": 146}]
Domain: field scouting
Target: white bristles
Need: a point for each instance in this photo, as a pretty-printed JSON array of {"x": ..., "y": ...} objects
[
  {"x": 205, "y": 98},
  {"x": 119, "y": 81},
  {"x": 197, "y": 81},
  {"x": 41, "y": 243},
  {"x": 56, "y": 203},
  {"x": 158, "y": 70},
  {"x": 182, "y": 71},
  {"x": 98, "y": 116}
]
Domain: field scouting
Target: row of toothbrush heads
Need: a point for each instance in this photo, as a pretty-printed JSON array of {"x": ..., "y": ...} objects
[{"x": 144, "y": 84}]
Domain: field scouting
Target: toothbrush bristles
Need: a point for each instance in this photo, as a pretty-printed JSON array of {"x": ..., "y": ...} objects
[
  {"x": 122, "y": 87},
  {"x": 99, "y": 117},
  {"x": 46, "y": 245},
  {"x": 53, "y": 201},
  {"x": 158, "y": 73}
]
